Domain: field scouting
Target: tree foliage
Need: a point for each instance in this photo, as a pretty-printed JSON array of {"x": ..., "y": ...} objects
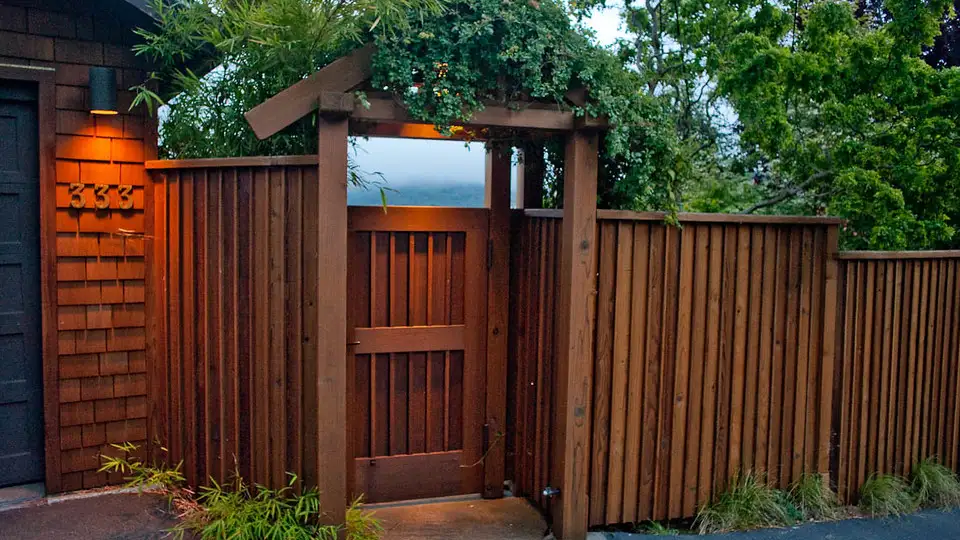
[
  {"x": 447, "y": 67},
  {"x": 849, "y": 120},
  {"x": 807, "y": 106},
  {"x": 256, "y": 48}
]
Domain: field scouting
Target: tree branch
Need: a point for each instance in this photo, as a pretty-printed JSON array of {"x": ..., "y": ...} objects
[{"x": 787, "y": 192}]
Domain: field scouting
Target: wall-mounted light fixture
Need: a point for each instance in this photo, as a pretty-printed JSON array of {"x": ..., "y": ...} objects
[{"x": 103, "y": 90}]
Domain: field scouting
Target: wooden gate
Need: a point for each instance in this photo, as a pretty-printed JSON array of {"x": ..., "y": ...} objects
[{"x": 417, "y": 307}]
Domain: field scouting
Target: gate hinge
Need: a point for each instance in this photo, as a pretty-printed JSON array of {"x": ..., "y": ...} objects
[{"x": 489, "y": 255}]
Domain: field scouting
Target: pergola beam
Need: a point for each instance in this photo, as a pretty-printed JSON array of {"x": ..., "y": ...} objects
[
  {"x": 532, "y": 116},
  {"x": 299, "y": 100},
  {"x": 415, "y": 131}
]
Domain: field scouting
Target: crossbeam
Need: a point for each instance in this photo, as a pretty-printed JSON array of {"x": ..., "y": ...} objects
[
  {"x": 414, "y": 131},
  {"x": 532, "y": 116},
  {"x": 299, "y": 100}
]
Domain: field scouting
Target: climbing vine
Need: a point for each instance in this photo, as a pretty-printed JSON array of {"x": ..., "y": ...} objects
[
  {"x": 443, "y": 59},
  {"x": 446, "y": 67}
]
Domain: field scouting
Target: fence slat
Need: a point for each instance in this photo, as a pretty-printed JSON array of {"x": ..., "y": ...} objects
[
  {"x": 719, "y": 348},
  {"x": 621, "y": 365}
]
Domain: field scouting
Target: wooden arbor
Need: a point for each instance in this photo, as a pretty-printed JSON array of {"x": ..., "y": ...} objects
[{"x": 330, "y": 91}]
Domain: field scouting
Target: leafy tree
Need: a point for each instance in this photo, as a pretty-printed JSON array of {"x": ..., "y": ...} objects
[
  {"x": 828, "y": 111},
  {"x": 256, "y": 48},
  {"x": 945, "y": 51},
  {"x": 447, "y": 67},
  {"x": 673, "y": 44},
  {"x": 848, "y": 120}
]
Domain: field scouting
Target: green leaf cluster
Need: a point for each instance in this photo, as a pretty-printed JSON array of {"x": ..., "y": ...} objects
[
  {"x": 238, "y": 510},
  {"x": 757, "y": 106},
  {"x": 217, "y": 59},
  {"x": 848, "y": 120},
  {"x": 807, "y": 107},
  {"x": 449, "y": 66}
]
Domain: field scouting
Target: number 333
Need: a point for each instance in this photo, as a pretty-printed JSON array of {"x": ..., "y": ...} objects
[{"x": 101, "y": 196}]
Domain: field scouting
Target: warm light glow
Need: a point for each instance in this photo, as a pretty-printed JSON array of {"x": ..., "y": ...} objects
[{"x": 103, "y": 112}]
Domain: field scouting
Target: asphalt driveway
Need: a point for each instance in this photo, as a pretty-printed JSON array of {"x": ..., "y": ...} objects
[{"x": 930, "y": 525}]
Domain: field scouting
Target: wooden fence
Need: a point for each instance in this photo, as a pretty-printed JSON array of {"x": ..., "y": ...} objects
[
  {"x": 233, "y": 242},
  {"x": 730, "y": 344},
  {"x": 709, "y": 355},
  {"x": 532, "y": 367},
  {"x": 898, "y": 347},
  {"x": 711, "y": 348}
]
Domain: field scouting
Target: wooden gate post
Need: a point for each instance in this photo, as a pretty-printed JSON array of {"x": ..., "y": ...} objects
[
  {"x": 497, "y": 199},
  {"x": 576, "y": 317},
  {"x": 530, "y": 177},
  {"x": 331, "y": 207}
]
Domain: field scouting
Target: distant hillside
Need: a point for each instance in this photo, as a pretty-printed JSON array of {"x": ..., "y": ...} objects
[{"x": 426, "y": 194}]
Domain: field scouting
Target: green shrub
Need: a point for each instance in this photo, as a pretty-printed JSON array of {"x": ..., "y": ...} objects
[
  {"x": 934, "y": 485},
  {"x": 790, "y": 509},
  {"x": 747, "y": 504},
  {"x": 813, "y": 497},
  {"x": 139, "y": 475},
  {"x": 655, "y": 528},
  {"x": 886, "y": 495},
  {"x": 238, "y": 510},
  {"x": 362, "y": 525}
]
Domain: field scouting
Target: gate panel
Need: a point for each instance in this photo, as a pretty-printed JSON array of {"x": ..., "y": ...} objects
[{"x": 418, "y": 298}]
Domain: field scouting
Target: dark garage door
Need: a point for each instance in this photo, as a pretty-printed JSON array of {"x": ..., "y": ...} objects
[{"x": 21, "y": 397}]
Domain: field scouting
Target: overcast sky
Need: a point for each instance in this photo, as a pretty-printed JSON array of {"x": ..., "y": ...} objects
[{"x": 405, "y": 161}]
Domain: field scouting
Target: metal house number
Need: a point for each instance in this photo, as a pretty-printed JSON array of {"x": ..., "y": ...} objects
[{"x": 101, "y": 193}]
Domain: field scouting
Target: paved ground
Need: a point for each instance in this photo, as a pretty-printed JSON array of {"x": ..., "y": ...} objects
[
  {"x": 473, "y": 519},
  {"x": 133, "y": 517},
  {"x": 142, "y": 517},
  {"x": 922, "y": 526},
  {"x": 106, "y": 517}
]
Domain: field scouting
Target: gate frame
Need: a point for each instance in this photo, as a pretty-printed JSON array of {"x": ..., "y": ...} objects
[{"x": 330, "y": 91}]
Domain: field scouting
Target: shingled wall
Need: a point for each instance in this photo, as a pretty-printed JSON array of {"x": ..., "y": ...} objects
[{"x": 99, "y": 253}]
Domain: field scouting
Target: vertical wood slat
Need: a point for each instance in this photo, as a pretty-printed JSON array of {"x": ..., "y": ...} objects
[
  {"x": 228, "y": 240},
  {"x": 603, "y": 392},
  {"x": 635, "y": 374},
  {"x": 537, "y": 265},
  {"x": 696, "y": 333},
  {"x": 896, "y": 367},
  {"x": 156, "y": 303}
]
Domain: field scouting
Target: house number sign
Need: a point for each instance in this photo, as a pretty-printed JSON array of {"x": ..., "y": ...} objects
[{"x": 101, "y": 196}]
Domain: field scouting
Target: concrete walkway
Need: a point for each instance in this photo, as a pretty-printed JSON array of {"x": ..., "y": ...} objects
[
  {"x": 931, "y": 525},
  {"x": 471, "y": 518},
  {"x": 126, "y": 516},
  {"x": 142, "y": 517}
]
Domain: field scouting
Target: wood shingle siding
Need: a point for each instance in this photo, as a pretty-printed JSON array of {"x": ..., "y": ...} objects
[{"x": 98, "y": 263}]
